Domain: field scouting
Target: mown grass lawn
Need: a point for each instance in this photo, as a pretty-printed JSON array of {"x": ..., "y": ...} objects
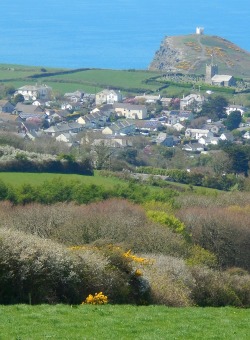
[{"x": 122, "y": 322}]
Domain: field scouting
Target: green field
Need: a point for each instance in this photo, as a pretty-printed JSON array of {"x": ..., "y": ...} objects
[
  {"x": 91, "y": 81},
  {"x": 130, "y": 82},
  {"x": 16, "y": 179},
  {"x": 122, "y": 322},
  {"x": 19, "y": 178}
]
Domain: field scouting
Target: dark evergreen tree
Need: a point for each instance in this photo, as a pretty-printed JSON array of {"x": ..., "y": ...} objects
[
  {"x": 215, "y": 107},
  {"x": 233, "y": 120}
]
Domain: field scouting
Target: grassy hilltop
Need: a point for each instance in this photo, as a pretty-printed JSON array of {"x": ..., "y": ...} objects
[{"x": 191, "y": 53}]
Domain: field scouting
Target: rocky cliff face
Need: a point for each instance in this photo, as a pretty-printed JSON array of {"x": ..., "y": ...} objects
[
  {"x": 191, "y": 53},
  {"x": 167, "y": 57}
]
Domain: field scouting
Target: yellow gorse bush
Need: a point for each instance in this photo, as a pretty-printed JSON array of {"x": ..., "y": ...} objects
[
  {"x": 135, "y": 258},
  {"x": 97, "y": 299},
  {"x": 138, "y": 272}
]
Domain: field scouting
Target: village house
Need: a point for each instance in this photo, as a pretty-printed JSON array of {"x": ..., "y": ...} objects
[
  {"x": 192, "y": 101},
  {"x": 72, "y": 106},
  {"x": 33, "y": 92},
  {"x": 198, "y": 133},
  {"x": 131, "y": 111},
  {"x": 74, "y": 97},
  {"x": 108, "y": 97},
  {"x": 94, "y": 119},
  {"x": 176, "y": 116},
  {"x": 105, "y": 110},
  {"x": 147, "y": 98},
  {"x": 56, "y": 130},
  {"x": 227, "y": 136},
  {"x": 164, "y": 139},
  {"x": 166, "y": 101},
  {"x": 67, "y": 137},
  {"x": 113, "y": 141},
  {"x": 147, "y": 125},
  {"x": 193, "y": 147},
  {"x": 215, "y": 127},
  {"x": 178, "y": 127},
  {"x": 209, "y": 140},
  {"x": 121, "y": 127},
  {"x": 31, "y": 129},
  {"x": 25, "y": 112},
  {"x": 9, "y": 122},
  {"x": 232, "y": 108},
  {"x": 246, "y": 135},
  {"x": 6, "y": 106},
  {"x": 41, "y": 102}
]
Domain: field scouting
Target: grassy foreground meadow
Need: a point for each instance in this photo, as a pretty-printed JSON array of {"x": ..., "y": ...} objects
[{"x": 25, "y": 322}]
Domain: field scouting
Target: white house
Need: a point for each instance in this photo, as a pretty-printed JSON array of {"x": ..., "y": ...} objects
[
  {"x": 246, "y": 135},
  {"x": 191, "y": 99},
  {"x": 33, "y": 92},
  {"x": 148, "y": 98},
  {"x": 233, "y": 108},
  {"x": 178, "y": 126},
  {"x": 108, "y": 97},
  {"x": 198, "y": 133},
  {"x": 208, "y": 140},
  {"x": 196, "y": 147},
  {"x": 227, "y": 136},
  {"x": 66, "y": 138}
]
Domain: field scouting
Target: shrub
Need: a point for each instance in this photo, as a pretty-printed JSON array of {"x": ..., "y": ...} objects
[
  {"x": 41, "y": 271},
  {"x": 222, "y": 231},
  {"x": 168, "y": 220},
  {"x": 115, "y": 221},
  {"x": 201, "y": 256},
  {"x": 34, "y": 270},
  {"x": 170, "y": 281},
  {"x": 97, "y": 299},
  {"x": 214, "y": 288}
]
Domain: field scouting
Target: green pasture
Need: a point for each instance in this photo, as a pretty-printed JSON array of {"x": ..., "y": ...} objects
[
  {"x": 93, "y": 80},
  {"x": 21, "y": 71},
  {"x": 119, "y": 78},
  {"x": 122, "y": 322},
  {"x": 18, "y": 178},
  {"x": 90, "y": 81}
]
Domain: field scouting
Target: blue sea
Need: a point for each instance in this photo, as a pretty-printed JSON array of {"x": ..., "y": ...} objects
[{"x": 120, "y": 34}]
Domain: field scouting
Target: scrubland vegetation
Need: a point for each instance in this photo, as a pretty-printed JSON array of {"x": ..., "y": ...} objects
[{"x": 134, "y": 244}]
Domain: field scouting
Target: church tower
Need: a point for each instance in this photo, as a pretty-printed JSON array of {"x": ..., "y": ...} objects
[{"x": 211, "y": 70}]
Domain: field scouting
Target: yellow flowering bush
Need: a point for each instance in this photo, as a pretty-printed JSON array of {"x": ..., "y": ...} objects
[
  {"x": 135, "y": 258},
  {"x": 138, "y": 272},
  {"x": 97, "y": 299}
]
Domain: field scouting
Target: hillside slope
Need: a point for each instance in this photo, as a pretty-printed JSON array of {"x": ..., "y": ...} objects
[{"x": 191, "y": 53}]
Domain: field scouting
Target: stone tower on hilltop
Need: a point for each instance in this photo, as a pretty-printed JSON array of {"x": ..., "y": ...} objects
[
  {"x": 211, "y": 70},
  {"x": 199, "y": 30}
]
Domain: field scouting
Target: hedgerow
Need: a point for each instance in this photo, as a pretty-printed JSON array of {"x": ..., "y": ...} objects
[
  {"x": 58, "y": 190},
  {"x": 224, "y": 182}
]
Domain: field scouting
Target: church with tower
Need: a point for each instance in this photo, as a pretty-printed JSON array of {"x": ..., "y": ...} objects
[{"x": 214, "y": 78}]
